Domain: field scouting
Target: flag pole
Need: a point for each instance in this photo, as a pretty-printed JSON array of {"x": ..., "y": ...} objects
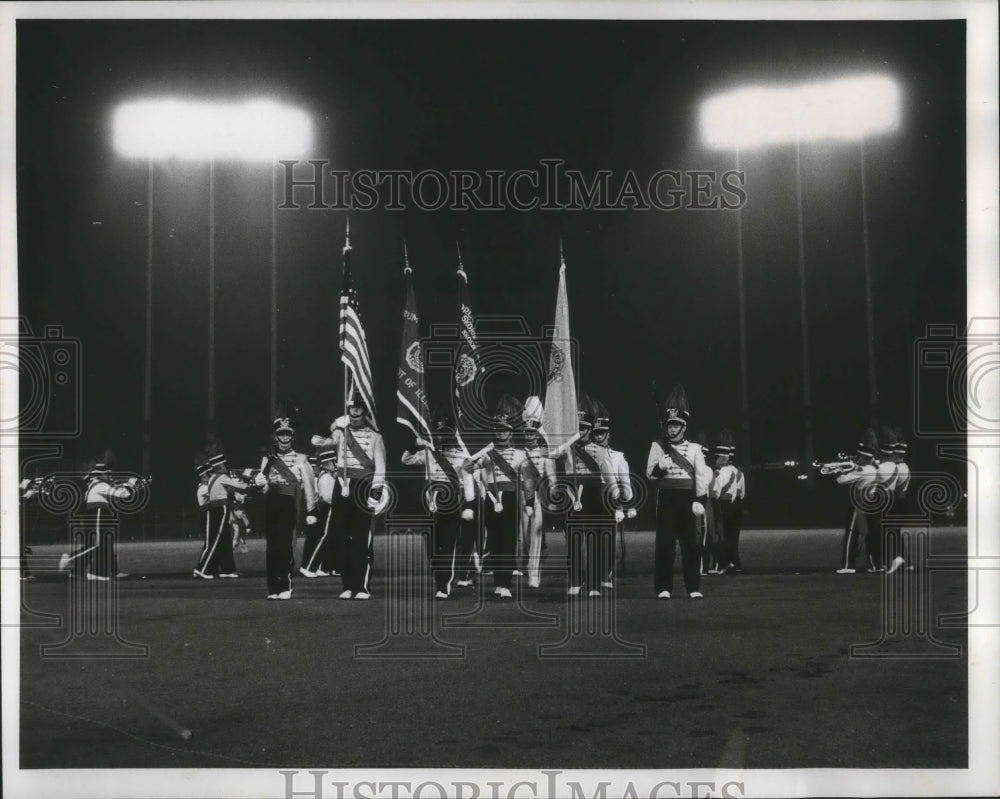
[
  {"x": 344, "y": 490},
  {"x": 408, "y": 275}
]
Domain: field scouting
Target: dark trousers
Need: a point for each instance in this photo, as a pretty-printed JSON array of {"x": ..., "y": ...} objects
[
  {"x": 443, "y": 549},
  {"x": 318, "y": 551},
  {"x": 502, "y": 531},
  {"x": 101, "y": 540},
  {"x": 675, "y": 523},
  {"x": 851, "y": 543},
  {"x": 357, "y": 552},
  {"x": 468, "y": 541},
  {"x": 590, "y": 540},
  {"x": 731, "y": 515},
  {"x": 895, "y": 545},
  {"x": 217, "y": 551},
  {"x": 280, "y": 517}
]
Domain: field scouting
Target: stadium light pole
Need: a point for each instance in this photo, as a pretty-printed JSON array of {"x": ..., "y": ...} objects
[
  {"x": 851, "y": 108},
  {"x": 257, "y": 130}
]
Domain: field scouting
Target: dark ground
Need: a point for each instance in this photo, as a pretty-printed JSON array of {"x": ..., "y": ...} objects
[{"x": 759, "y": 674}]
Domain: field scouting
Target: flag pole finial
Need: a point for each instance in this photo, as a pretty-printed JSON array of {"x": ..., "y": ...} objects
[
  {"x": 406, "y": 260},
  {"x": 461, "y": 266},
  {"x": 347, "y": 235},
  {"x": 562, "y": 257}
]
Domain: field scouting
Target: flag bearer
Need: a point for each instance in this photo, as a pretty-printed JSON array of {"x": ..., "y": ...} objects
[{"x": 541, "y": 472}]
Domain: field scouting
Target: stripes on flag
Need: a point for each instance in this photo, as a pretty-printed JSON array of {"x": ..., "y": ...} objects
[{"x": 353, "y": 345}]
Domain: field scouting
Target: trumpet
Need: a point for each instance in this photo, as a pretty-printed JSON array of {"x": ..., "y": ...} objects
[{"x": 844, "y": 464}]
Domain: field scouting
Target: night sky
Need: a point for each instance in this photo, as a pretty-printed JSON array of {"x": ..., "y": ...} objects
[{"x": 653, "y": 294}]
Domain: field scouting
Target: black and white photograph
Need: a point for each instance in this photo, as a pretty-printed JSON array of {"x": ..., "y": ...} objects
[{"x": 499, "y": 400}]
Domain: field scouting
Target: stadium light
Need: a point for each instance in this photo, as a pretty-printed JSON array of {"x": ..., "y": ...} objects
[
  {"x": 257, "y": 130},
  {"x": 850, "y": 108}
]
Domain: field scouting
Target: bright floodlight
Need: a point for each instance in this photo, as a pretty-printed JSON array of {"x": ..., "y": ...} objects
[
  {"x": 257, "y": 130},
  {"x": 846, "y": 108}
]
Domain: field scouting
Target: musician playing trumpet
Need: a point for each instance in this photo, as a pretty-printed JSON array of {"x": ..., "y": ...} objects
[{"x": 860, "y": 476}]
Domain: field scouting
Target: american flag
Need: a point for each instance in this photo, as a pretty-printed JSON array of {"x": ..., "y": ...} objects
[{"x": 353, "y": 346}]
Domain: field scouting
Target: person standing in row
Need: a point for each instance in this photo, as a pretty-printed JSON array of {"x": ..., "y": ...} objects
[
  {"x": 217, "y": 553},
  {"x": 449, "y": 496},
  {"x": 542, "y": 474},
  {"x": 363, "y": 493},
  {"x": 859, "y": 479},
  {"x": 100, "y": 548},
  {"x": 678, "y": 468},
  {"x": 618, "y": 492},
  {"x": 322, "y": 538},
  {"x": 285, "y": 478},
  {"x": 708, "y": 524},
  {"x": 505, "y": 474},
  {"x": 728, "y": 488}
]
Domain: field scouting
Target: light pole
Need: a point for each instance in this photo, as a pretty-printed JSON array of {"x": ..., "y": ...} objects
[
  {"x": 257, "y": 130},
  {"x": 851, "y": 109}
]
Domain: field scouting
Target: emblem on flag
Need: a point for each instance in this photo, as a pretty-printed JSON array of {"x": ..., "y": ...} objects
[{"x": 414, "y": 357}]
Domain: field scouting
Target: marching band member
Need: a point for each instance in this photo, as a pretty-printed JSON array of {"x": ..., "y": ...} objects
[
  {"x": 900, "y": 505},
  {"x": 885, "y": 478},
  {"x": 682, "y": 477},
  {"x": 728, "y": 488},
  {"x": 589, "y": 464},
  {"x": 860, "y": 478},
  {"x": 708, "y": 525},
  {"x": 450, "y": 496},
  {"x": 322, "y": 541},
  {"x": 620, "y": 494},
  {"x": 216, "y": 558},
  {"x": 240, "y": 522},
  {"x": 540, "y": 468},
  {"x": 504, "y": 472},
  {"x": 102, "y": 563},
  {"x": 29, "y": 490},
  {"x": 284, "y": 476},
  {"x": 361, "y": 459}
]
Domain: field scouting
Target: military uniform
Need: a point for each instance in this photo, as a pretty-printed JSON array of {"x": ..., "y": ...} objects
[
  {"x": 450, "y": 496},
  {"x": 677, "y": 467},
  {"x": 323, "y": 545},
  {"x": 101, "y": 563},
  {"x": 539, "y": 468},
  {"x": 728, "y": 489},
  {"x": 860, "y": 527},
  {"x": 216, "y": 558},
  {"x": 285, "y": 478},
  {"x": 361, "y": 474}
]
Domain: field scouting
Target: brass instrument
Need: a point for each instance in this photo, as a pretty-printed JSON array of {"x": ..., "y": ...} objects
[{"x": 845, "y": 463}]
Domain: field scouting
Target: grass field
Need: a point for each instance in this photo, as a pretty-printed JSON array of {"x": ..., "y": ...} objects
[{"x": 758, "y": 674}]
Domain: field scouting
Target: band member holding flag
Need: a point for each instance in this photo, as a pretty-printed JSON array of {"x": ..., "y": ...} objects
[
  {"x": 449, "y": 495},
  {"x": 678, "y": 468},
  {"x": 286, "y": 478},
  {"x": 362, "y": 451}
]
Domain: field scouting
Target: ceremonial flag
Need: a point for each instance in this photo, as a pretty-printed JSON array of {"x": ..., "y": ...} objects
[
  {"x": 468, "y": 352},
  {"x": 411, "y": 399},
  {"x": 353, "y": 345},
  {"x": 559, "y": 420}
]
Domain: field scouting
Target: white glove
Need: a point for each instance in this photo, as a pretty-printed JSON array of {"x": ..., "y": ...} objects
[
  {"x": 422, "y": 442},
  {"x": 697, "y": 509},
  {"x": 467, "y": 514},
  {"x": 498, "y": 507},
  {"x": 529, "y": 510},
  {"x": 247, "y": 473},
  {"x": 310, "y": 520},
  {"x": 259, "y": 480},
  {"x": 630, "y": 513},
  {"x": 665, "y": 463},
  {"x": 25, "y": 484},
  {"x": 619, "y": 516},
  {"x": 131, "y": 482},
  {"x": 318, "y": 441},
  {"x": 340, "y": 423}
]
